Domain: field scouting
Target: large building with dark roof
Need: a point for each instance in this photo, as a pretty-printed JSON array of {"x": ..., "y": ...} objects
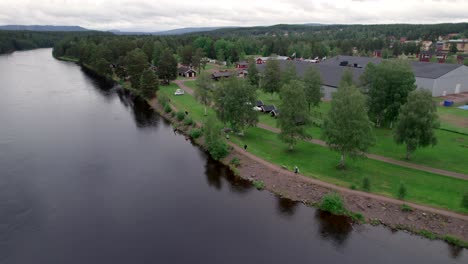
[{"x": 439, "y": 78}]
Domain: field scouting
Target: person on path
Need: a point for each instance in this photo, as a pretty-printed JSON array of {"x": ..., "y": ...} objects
[
  {"x": 245, "y": 147},
  {"x": 296, "y": 170}
]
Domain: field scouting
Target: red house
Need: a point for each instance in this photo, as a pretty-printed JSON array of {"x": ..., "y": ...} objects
[
  {"x": 261, "y": 60},
  {"x": 378, "y": 53},
  {"x": 242, "y": 65}
]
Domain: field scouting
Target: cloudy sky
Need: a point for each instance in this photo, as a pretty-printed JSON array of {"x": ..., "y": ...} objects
[{"x": 154, "y": 15}]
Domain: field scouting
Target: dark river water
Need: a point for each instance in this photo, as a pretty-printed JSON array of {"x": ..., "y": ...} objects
[{"x": 90, "y": 175}]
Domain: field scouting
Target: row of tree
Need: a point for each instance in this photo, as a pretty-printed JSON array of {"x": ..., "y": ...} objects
[{"x": 385, "y": 95}]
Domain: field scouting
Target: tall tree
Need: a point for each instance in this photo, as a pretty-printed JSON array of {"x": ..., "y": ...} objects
[
  {"x": 215, "y": 143},
  {"x": 204, "y": 91},
  {"x": 148, "y": 49},
  {"x": 197, "y": 59},
  {"x": 167, "y": 67},
  {"x": 453, "y": 48},
  {"x": 234, "y": 100},
  {"x": 289, "y": 73},
  {"x": 294, "y": 115},
  {"x": 347, "y": 128},
  {"x": 271, "y": 81},
  {"x": 102, "y": 66},
  {"x": 388, "y": 86},
  {"x": 416, "y": 122},
  {"x": 313, "y": 86},
  {"x": 149, "y": 83},
  {"x": 252, "y": 74},
  {"x": 136, "y": 62},
  {"x": 347, "y": 79},
  {"x": 186, "y": 54}
]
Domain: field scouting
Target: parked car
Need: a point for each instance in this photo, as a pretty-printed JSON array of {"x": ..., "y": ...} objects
[
  {"x": 256, "y": 108},
  {"x": 179, "y": 92}
]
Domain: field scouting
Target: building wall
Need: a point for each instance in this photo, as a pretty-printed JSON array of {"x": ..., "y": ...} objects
[
  {"x": 449, "y": 82},
  {"x": 425, "y": 83},
  {"x": 327, "y": 92}
]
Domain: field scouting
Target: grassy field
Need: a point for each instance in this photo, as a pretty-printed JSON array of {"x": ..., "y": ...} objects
[
  {"x": 186, "y": 102},
  {"x": 453, "y": 118},
  {"x": 450, "y": 153},
  {"x": 319, "y": 162}
]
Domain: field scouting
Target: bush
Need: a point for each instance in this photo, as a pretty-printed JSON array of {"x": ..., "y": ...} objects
[
  {"x": 406, "y": 208},
  {"x": 173, "y": 114},
  {"x": 218, "y": 149},
  {"x": 465, "y": 201},
  {"x": 215, "y": 143},
  {"x": 167, "y": 108},
  {"x": 333, "y": 203},
  {"x": 366, "y": 184},
  {"x": 260, "y": 185},
  {"x": 195, "y": 133},
  {"x": 180, "y": 115},
  {"x": 188, "y": 121},
  {"x": 402, "y": 191},
  {"x": 353, "y": 187},
  {"x": 235, "y": 161},
  {"x": 163, "y": 99}
]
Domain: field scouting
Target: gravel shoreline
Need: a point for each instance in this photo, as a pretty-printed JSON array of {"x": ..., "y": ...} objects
[{"x": 377, "y": 210}]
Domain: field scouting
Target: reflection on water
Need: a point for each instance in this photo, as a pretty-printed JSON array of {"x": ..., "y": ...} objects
[
  {"x": 334, "y": 227},
  {"x": 286, "y": 206}
]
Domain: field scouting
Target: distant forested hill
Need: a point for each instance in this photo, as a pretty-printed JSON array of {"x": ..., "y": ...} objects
[
  {"x": 336, "y": 32},
  {"x": 42, "y": 28},
  {"x": 23, "y": 40}
]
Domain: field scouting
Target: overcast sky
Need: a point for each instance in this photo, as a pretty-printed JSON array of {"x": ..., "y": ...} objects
[{"x": 147, "y": 15}]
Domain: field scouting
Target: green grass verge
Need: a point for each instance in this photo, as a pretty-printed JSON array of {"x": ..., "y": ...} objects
[
  {"x": 449, "y": 154},
  {"x": 320, "y": 163},
  {"x": 70, "y": 59}
]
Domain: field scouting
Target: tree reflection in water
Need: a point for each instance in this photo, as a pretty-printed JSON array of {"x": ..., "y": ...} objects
[
  {"x": 333, "y": 227},
  {"x": 286, "y": 206}
]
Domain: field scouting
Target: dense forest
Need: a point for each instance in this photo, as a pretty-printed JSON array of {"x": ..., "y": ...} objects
[
  {"x": 234, "y": 44},
  {"x": 23, "y": 40}
]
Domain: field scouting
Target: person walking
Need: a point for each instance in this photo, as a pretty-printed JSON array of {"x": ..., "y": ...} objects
[
  {"x": 245, "y": 147},
  {"x": 296, "y": 170}
]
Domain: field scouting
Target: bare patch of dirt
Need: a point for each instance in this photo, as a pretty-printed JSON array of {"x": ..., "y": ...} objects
[{"x": 455, "y": 120}]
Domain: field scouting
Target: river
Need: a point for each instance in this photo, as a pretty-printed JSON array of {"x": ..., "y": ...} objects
[{"x": 89, "y": 174}]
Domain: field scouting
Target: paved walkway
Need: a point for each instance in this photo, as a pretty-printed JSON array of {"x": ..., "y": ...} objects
[{"x": 181, "y": 84}]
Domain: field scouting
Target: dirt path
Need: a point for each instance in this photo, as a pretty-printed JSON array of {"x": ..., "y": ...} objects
[
  {"x": 385, "y": 159},
  {"x": 181, "y": 84},
  {"x": 287, "y": 173}
]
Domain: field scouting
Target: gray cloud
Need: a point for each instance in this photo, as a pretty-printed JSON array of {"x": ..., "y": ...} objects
[{"x": 147, "y": 15}]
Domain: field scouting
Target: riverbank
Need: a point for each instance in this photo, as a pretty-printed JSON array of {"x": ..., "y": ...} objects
[
  {"x": 429, "y": 222},
  {"x": 398, "y": 215}
]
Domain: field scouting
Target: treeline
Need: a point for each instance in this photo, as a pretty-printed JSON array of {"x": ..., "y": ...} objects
[
  {"x": 24, "y": 40},
  {"x": 342, "y": 32}
]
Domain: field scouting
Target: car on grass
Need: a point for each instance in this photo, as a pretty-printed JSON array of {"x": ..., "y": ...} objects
[{"x": 179, "y": 92}]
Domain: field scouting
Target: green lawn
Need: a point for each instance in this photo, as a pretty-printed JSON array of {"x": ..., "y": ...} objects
[
  {"x": 455, "y": 114},
  {"x": 192, "y": 84},
  {"x": 450, "y": 153},
  {"x": 185, "y": 102},
  {"x": 319, "y": 162}
]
